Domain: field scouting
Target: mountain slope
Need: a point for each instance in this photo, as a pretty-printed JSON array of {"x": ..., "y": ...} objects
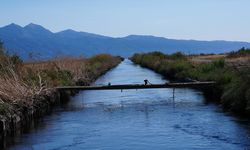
[{"x": 43, "y": 43}]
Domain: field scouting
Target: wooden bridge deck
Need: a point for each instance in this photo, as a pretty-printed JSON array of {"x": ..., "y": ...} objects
[{"x": 138, "y": 86}]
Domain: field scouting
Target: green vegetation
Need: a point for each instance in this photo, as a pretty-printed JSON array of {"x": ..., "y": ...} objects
[
  {"x": 22, "y": 83},
  {"x": 232, "y": 84},
  {"x": 173, "y": 66},
  {"x": 240, "y": 53}
]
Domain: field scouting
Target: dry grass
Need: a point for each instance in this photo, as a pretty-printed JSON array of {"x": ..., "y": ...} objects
[
  {"x": 21, "y": 82},
  {"x": 199, "y": 59},
  {"x": 217, "y": 56},
  {"x": 237, "y": 62},
  {"x": 77, "y": 66},
  {"x": 13, "y": 89}
]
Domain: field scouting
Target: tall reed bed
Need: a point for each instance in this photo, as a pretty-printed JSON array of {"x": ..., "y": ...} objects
[{"x": 21, "y": 83}]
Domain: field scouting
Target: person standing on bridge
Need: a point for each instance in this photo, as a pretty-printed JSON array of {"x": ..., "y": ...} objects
[{"x": 146, "y": 82}]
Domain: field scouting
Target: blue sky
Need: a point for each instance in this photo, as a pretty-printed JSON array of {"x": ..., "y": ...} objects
[{"x": 180, "y": 19}]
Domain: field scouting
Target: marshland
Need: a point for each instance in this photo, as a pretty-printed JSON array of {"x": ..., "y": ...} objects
[
  {"x": 130, "y": 118},
  {"x": 124, "y": 74}
]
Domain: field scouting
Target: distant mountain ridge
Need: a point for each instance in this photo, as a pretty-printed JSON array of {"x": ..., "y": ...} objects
[{"x": 43, "y": 43}]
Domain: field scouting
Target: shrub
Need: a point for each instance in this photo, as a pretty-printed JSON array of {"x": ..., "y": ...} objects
[
  {"x": 234, "y": 96},
  {"x": 240, "y": 53},
  {"x": 177, "y": 55},
  {"x": 219, "y": 64}
]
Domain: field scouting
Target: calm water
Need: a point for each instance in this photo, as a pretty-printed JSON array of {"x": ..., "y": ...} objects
[{"x": 137, "y": 119}]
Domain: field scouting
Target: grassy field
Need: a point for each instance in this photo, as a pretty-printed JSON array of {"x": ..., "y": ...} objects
[{"x": 210, "y": 58}]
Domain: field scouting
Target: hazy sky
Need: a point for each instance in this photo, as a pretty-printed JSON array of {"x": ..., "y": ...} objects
[{"x": 181, "y": 19}]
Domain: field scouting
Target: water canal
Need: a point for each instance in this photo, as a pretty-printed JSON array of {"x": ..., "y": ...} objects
[{"x": 136, "y": 119}]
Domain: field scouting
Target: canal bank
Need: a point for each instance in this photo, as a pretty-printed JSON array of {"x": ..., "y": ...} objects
[
  {"x": 17, "y": 115},
  {"x": 137, "y": 119},
  {"x": 231, "y": 90}
]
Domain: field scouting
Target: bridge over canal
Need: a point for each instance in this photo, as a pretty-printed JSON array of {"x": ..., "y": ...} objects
[{"x": 139, "y": 86}]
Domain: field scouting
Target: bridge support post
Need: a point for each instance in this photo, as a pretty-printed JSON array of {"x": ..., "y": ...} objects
[
  {"x": 173, "y": 96},
  {"x": 82, "y": 100}
]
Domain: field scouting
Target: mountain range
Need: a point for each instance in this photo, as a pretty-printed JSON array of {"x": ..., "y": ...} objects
[{"x": 42, "y": 43}]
